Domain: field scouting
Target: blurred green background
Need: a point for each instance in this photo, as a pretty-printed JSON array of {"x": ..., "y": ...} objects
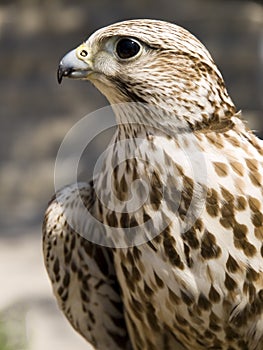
[{"x": 36, "y": 113}]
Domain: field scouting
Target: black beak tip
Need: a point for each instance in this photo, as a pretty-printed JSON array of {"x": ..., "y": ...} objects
[
  {"x": 60, "y": 74},
  {"x": 63, "y": 72}
]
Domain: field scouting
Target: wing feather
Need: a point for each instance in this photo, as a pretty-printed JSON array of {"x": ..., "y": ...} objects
[{"x": 82, "y": 273}]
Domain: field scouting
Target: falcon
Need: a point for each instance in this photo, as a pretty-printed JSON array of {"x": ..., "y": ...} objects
[{"x": 162, "y": 249}]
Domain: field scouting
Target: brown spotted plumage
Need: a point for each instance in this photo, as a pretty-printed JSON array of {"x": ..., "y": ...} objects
[{"x": 184, "y": 268}]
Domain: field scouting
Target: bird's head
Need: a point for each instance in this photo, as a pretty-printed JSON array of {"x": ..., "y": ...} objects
[{"x": 153, "y": 62}]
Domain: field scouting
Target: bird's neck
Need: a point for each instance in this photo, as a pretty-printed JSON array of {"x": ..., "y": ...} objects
[
  {"x": 141, "y": 119},
  {"x": 187, "y": 105}
]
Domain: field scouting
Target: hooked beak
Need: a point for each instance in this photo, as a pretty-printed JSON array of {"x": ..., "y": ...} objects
[{"x": 72, "y": 67}]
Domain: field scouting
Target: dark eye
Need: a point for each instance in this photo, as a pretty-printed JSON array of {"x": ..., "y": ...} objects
[{"x": 127, "y": 48}]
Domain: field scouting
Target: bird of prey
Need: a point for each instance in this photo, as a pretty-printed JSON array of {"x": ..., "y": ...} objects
[{"x": 184, "y": 269}]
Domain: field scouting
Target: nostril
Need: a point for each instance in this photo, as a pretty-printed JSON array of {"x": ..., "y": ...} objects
[{"x": 84, "y": 53}]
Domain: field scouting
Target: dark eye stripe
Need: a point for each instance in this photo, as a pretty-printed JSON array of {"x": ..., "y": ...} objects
[{"x": 127, "y": 48}]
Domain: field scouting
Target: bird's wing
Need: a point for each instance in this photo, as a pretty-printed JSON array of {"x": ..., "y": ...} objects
[{"x": 82, "y": 273}]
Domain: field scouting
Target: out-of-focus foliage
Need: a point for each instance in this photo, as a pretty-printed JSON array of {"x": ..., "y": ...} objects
[{"x": 12, "y": 332}]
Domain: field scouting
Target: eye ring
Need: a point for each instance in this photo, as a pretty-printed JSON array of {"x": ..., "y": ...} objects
[{"x": 127, "y": 48}]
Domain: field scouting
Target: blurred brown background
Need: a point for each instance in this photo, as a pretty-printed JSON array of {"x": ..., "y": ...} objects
[{"x": 36, "y": 112}]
